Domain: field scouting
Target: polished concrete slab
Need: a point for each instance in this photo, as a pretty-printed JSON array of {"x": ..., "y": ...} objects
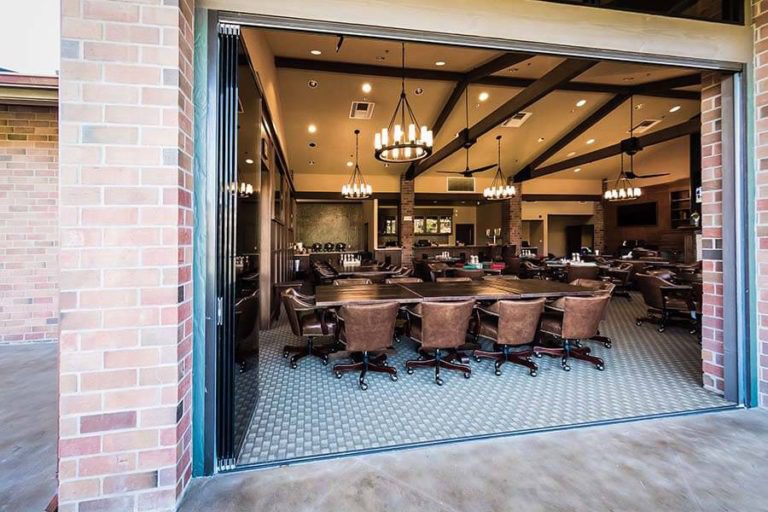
[
  {"x": 28, "y": 426},
  {"x": 705, "y": 462}
]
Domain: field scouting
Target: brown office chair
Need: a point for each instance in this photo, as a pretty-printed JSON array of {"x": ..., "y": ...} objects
[
  {"x": 474, "y": 274},
  {"x": 246, "y": 330},
  {"x": 403, "y": 280},
  {"x": 352, "y": 281},
  {"x": 501, "y": 277},
  {"x": 665, "y": 301},
  {"x": 511, "y": 266},
  {"x": 511, "y": 324},
  {"x": 309, "y": 322},
  {"x": 579, "y": 321},
  {"x": 367, "y": 331},
  {"x": 604, "y": 288},
  {"x": 530, "y": 270},
  {"x": 621, "y": 277},
  {"x": 573, "y": 272},
  {"x": 664, "y": 273},
  {"x": 440, "y": 328},
  {"x": 453, "y": 279}
]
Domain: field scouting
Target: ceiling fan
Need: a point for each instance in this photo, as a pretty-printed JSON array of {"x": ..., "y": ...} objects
[
  {"x": 467, "y": 172},
  {"x": 631, "y": 146}
]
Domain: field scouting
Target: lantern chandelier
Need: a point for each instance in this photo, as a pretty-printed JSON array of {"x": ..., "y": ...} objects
[
  {"x": 356, "y": 187},
  {"x": 623, "y": 189},
  {"x": 499, "y": 188},
  {"x": 403, "y": 140}
]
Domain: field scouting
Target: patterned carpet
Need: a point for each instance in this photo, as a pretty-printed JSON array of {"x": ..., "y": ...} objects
[{"x": 307, "y": 411}]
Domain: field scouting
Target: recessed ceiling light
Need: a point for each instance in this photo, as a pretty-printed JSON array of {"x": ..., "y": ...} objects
[
  {"x": 312, "y": 84},
  {"x": 540, "y": 139},
  {"x": 581, "y": 103},
  {"x": 312, "y": 128},
  {"x": 578, "y": 169},
  {"x": 639, "y": 106},
  {"x": 674, "y": 109},
  {"x": 315, "y": 52},
  {"x": 483, "y": 96},
  {"x": 312, "y": 145},
  {"x": 591, "y": 141},
  {"x": 311, "y": 162},
  {"x": 249, "y": 161},
  {"x": 419, "y": 91},
  {"x": 366, "y": 87},
  {"x": 350, "y": 163},
  {"x": 440, "y": 63},
  {"x": 572, "y": 153}
]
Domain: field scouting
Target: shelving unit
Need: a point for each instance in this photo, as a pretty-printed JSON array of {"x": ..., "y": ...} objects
[{"x": 680, "y": 210}]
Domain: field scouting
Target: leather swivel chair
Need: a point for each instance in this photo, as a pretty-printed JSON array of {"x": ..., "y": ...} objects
[
  {"x": 453, "y": 279},
  {"x": 579, "y": 321},
  {"x": 512, "y": 325},
  {"x": 308, "y": 322},
  {"x": 603, "y": 288},
  {"x": 530, "y": 270},
  {"x": 621, "y": 277},
  {"x": 512, "y": 266},
  {"x": 440, "y": 328},
  {"x": 352, "y": 281},
  {"x": 475, "y": 274},
  {"x": 573, "y": 272},
  {"x": 665, "y": 302},
  {"x": 367, "y": 331},
  {"x": 246, "y": 330}
]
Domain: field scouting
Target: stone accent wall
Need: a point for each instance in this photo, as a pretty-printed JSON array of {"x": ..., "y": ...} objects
[
  {"x": 598, "y": 221},
  {"x": 512, "y": 220},
  {"x": 760, "y": 20},
  {"x": 712, "y": 222},
  {"x": 29, "y": 235},
  {"x": 126, "y": 255},
  {"x": 406, "y": 209},
  {"x": 330, "y": 222}
]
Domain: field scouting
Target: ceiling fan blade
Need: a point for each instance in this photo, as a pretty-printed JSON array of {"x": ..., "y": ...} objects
[
  {"x": 481, "y": 169},
  {"x": 640, "y": 177}
]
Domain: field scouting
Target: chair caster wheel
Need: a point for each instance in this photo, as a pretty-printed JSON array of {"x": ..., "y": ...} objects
[
  {"x": 363, "y": 385},
  {"x": 600, "y": 367},
  {"x": 693, "y": 332},
  {"x": 467, "y": 375},
  {"x": 607, "y": 344},
  {"x": 294, "y": 365},
  {"x": 477, "y": 359},
  {"x": 566, "y": 368},
  {"x": 533, "y": 373},
  {"x": 537, "y": 354},
  {"x": 498, "y": 372},
  {"x": 393, "y": 377},
  {"x": 409, "y": 371},
  {"x": 285, "y": 354},
  {"x": 338, "y": 375},
  {"x": 638, "y": 323},
  {"x": 439, "y": 381},
  {"x": 660, "y": 329},
  {"x": 325, "y": 360}
]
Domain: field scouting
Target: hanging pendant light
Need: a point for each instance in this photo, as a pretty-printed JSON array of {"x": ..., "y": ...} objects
[
  {"x": 499, "y": 188},
  {"x": 624, "y": 189},
  {"x": 403, "y": 140},
  {"x": 356, "y": 187}
]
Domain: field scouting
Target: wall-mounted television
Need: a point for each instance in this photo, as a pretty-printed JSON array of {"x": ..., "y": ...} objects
[{"x": 636, "y": 214}]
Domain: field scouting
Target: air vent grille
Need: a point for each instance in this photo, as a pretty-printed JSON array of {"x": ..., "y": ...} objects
[
  {"x": 517, "y": 120},
  {"x": 361, "y": 110},
  {"x": 460, "y": 184},
  {"x": 645, "y": 125}
]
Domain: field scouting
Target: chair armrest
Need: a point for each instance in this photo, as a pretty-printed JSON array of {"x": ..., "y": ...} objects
[{"x": 486, "y": 311}]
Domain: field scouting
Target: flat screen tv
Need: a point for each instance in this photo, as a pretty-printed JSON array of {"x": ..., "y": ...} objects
[{"x": 636, "y": 214}]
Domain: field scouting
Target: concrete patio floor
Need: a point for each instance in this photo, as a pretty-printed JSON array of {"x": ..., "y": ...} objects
[
  {"x": 707, "y": 462},
  {"x": 28, "y": 426}
]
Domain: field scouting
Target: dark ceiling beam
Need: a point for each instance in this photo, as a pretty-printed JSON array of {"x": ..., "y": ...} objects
[
  {"x": 598, "y": 115},
  {"x": 657, "y": 137},
  {"x": 453, "y": 76},
  {"x": 561, "y": 74}
]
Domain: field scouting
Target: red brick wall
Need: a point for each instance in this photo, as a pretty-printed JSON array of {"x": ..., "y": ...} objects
[
  {"x": 126, "y": 255},
  {"x": 760, "y": 20},
  {"x": 512, "y": 220},
  {"x": 712, "y": 222},
  {"x": 28, "y": 224},
  {"x": 407, "y": 203}
]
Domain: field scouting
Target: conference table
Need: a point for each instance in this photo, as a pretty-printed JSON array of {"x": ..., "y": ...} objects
[
  {"x": 372, "y": 271},
  {"x": 412, "y": 293}
]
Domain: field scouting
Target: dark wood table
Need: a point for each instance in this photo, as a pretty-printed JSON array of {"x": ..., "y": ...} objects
[
  {"x": 361, "y": 270},
  {"x": 479, "y": 290},
  {"x": 329, "y": 295},
  {"x": 535, "y": 288}
]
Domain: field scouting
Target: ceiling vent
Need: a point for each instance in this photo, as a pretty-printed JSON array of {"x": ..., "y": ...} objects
[
  {"x": 517, "y": 120},
  {"x": 361, "y": 110},
  {"x": 460, "y": 184},
  {"x": 645, "y": 125}
]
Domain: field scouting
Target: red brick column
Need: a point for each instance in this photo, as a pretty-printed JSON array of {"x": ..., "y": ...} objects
[
  {"x": 126, "y": 256},
  {"x": 760, "y": 20},
  {"x": 407, "y": 201},
  {"x": 598, "y": 221},
  {"x": 712, "y": 222},
  {"x": 29, "y": 234},
  {"x": 512, "y": 220}
]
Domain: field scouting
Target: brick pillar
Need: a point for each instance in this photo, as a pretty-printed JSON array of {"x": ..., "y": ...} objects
[
  {"x": 407, "y": 199},
  {"x": 512, "y": 220},
  {"x": 598, "y": 221},
  {"x": 712, "y": 222},
  {"x": 760, "y": 20},
  {"x": 29, "y": 232},
  {"x": 126, "y": 256}
]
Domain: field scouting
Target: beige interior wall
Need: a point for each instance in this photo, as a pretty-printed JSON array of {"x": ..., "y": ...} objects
[
  {"x": 556, "y": 225},
  {"x": 523, "y": 20},
  {"x": 465, "y": 215},
  {"x": 488, "y": 217},
  {"x": 369, "y": 215}
]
